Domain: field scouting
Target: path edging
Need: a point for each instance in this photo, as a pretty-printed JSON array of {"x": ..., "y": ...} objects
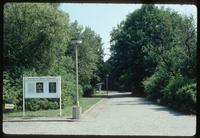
[{"x": 90, "y": 108}]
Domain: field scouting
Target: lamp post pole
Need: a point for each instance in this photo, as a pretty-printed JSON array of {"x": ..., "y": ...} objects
[
  {"x": 107, "y": 83},
  {"x": 76, "y": 110},
  {"x": 77, "y": 95}
]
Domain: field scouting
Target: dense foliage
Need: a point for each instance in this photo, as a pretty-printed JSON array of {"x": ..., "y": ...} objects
[
  {"x": 37, "y": 42},
  {"x": 154, "y": 53}
]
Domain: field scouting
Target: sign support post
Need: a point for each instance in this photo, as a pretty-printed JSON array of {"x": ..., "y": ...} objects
[
  {"x": 23, "y": 98},
  {"x": 60, "y": 99}
]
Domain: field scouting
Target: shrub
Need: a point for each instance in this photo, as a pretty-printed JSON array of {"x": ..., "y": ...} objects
[
  {"x": 154, "y": 84},
  {"x": 88, "y": 91},
  {"x": 44, "y": 104},
  {"x": 11, "y": 90},
  {"x": 53, "y": 105},
  {"x": 68, "y": 92},
  {"x": 38, "y": 104},
  {"x": 169, "y": 92},
  {"x": 186, "y": 98}
]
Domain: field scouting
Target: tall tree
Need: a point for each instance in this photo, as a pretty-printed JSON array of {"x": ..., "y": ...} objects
[
  {"x": 35, "y": 40},
  {"x": 32, "y": 34},
  {"x": 145, "y": 40}
]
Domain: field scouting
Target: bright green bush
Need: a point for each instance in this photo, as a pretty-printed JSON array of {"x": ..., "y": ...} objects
[
  {"x": 88, "y": 90},
  {"x": 69, "y": 89},
  {"x": 170, "y": 91},
  {"x": 154, "y": 84},
  {"x": 44, "y": 104},
  {"x": 38, "y": 104},
  {"x": 186, "y": 98},
  {"x": 11, "y": 91},
  {"x": 177, "y": 92}
]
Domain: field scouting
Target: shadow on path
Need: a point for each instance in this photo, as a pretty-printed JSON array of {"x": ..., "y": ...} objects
[
  {"x": 47, "y": 119},
  {"x": 99, "y": 96},
  {"x": 170, "y": 111},
  {"x": 113, "y": 95},
  {"x": 138, "y": 100},
  {"x": 150, "y": 105},
  {"x": 119, "y": 95}
]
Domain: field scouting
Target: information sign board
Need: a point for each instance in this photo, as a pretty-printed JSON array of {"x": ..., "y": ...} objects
[{"x": 42, "y": 87}]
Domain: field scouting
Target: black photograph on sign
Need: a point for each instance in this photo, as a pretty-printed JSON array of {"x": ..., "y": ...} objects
[
  {"x": 39, "y": 87},
  {"x": 52, "y": 87}
]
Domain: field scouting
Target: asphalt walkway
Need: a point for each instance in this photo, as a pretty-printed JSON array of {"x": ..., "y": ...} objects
[{"x": 119, "y": 114}]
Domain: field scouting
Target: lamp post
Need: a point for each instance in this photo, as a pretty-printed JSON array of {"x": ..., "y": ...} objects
[
  {"x": 107, "y": 83},
  {"x": 76, "y": 109}
]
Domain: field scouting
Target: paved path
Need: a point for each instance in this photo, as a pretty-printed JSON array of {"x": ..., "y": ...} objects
[{"x": 118, "y": 115}]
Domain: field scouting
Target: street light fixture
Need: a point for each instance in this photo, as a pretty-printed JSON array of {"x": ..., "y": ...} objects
[{"x": 76, "y": 111}]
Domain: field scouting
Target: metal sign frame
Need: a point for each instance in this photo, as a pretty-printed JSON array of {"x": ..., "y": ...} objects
[{"x": 39, "y": 80}]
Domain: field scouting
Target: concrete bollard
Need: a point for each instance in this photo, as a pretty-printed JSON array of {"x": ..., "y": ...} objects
[{"x": 76, "y": 112}]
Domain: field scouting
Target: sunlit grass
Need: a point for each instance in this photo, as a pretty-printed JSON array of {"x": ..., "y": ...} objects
[{"x": 85, "y": 103}]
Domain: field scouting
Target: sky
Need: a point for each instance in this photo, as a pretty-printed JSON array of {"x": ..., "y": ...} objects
[{"x": 102, "y": 18}]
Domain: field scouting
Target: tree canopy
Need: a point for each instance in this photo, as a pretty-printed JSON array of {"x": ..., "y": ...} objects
[
  {"x": 153, "y": 50},
  {"x": 37, "y": 42}
]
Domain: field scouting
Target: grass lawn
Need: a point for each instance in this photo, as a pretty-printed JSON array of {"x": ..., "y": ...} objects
[{"x": 85, "y": 103}]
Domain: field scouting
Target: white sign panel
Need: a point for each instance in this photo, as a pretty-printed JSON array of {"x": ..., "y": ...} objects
[{"x": 42, "y": 87}]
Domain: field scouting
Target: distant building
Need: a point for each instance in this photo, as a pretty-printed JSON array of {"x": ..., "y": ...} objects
[{"x": 99, "y": 86}]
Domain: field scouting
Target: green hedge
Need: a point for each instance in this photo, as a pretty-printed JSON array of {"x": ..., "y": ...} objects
[
  {"x": 88, "y": 91},
  {"x": 180, "y": 94},
  {"x": 176, "y": 92},
  {"x": 38, "y": 104},
  {"x": 11, "y": 91},
  {"x": 186, "y": 98},
  {"x": 170, "y": 91},
  {"x": 154, "y": 84}
]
